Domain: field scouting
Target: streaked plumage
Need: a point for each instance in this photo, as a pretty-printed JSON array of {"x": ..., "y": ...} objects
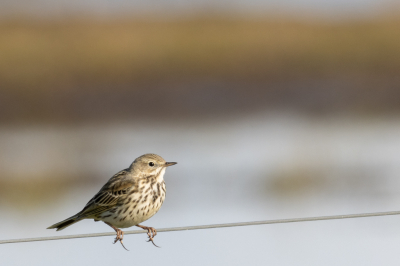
[{"x": 130, "y": 197}]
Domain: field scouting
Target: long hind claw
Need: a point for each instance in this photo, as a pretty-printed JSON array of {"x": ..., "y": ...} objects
[
  {"x": 151, "y": 239},
  {"x": 120, "y": 237},
  {"x": 123, "y": 245},
  {"x": 151, "y": 232}
]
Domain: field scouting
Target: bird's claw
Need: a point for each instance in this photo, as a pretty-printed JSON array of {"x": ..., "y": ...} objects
[
  {"x": 151, "y": 233},
  {"x": 119, "y": 237},
  {"x": 151, "y": 239}
]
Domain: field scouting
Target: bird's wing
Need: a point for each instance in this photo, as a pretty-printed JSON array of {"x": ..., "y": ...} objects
[{"x": 114, "y": 190}]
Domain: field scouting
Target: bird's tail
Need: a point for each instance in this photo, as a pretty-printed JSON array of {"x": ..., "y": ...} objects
[{"x": 65, "y": 223}]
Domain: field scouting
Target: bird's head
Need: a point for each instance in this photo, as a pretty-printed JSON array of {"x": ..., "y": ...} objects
[{"x": 150, "y": 164}]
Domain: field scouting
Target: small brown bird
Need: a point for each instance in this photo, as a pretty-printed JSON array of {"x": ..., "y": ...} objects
[{"x": 130, "y": 197}]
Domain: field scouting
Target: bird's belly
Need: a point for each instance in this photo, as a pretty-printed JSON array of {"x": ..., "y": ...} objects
[{"x": 133, "y": 214}]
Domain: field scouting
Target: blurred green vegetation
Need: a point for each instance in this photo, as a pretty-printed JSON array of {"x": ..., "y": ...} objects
[
  {"x": 39, "y": 55},
  {"x": 77, "y": 69}
]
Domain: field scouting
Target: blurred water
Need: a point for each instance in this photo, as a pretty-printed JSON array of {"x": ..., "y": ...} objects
[{"x": 264, "y": 166}]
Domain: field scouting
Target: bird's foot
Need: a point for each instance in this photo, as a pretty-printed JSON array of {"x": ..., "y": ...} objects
[
  {"x": 120, "y": 237},
  {"x": 151, "y": 232}
]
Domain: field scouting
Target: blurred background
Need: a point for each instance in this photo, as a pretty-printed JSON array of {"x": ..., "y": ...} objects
[{"x": 272, "y": 109}]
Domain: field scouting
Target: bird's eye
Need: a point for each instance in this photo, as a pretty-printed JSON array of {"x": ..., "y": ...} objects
[{"x": 151, "y": 163}]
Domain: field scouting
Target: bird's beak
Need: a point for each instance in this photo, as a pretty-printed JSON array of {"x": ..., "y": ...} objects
[{"x": 169, "y": 164}]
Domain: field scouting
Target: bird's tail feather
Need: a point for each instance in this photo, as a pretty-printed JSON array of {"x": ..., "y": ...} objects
[{"x": 65, "y": 223}]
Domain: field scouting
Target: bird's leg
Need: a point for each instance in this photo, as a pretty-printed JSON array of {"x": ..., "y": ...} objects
[
  {"x": 151, "y": 232},
  {"x": 120, "y": 235}
]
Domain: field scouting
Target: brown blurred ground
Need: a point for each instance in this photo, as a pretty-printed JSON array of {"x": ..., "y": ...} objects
[{"x": 81, "y": 70}]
